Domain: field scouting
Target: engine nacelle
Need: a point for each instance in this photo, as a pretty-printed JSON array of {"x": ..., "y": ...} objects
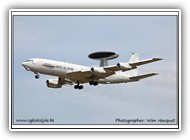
[
  {"x": 124, "y": 66},
  {"x": 98, "y": 70},
  {"x": 53, "y": 83}
]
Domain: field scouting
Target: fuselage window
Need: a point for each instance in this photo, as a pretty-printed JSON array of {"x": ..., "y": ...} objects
[{"x": 59, "y": 67}]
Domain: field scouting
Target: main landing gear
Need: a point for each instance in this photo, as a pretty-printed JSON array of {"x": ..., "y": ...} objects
[
  {"x": 37, "y": 76},
  {"x": 78, "y": 86},
  {"x": 95, "y": 83}
]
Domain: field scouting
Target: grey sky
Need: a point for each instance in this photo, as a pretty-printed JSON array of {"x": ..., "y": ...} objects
[{"x": 71, "y": 39}]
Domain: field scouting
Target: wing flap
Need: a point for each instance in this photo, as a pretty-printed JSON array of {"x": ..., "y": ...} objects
[
  {"x": 139, "y": 77},
  {"x": 143, "y": 62}
]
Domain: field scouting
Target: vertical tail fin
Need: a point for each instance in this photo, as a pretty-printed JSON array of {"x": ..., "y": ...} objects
[{"x": 134, "y": 58}]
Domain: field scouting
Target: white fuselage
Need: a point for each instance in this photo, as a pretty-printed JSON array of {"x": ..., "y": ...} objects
[
  {"x": 61, "y": 69},
  {"x": 77, "y": 75}
]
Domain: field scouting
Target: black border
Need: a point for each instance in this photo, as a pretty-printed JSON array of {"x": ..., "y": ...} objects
[{"x": 108, "y": 10}]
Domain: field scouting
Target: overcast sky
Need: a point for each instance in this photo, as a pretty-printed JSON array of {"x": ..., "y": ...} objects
[{"x": 72, "y": 39}]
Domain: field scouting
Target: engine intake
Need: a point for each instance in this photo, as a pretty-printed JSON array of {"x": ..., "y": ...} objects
[
  {"x": 97, "y": 70},
  {"x": 124, "y": 66}
]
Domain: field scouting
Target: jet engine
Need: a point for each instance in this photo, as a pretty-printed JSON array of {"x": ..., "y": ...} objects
[
  {"x": 97, "y": 70},
  {"x": 53, "y": 83},
  {"x": 124, "y": 66}
]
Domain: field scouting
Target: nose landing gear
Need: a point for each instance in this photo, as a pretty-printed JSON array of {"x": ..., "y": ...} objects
[{"x": 37, "y": 76}]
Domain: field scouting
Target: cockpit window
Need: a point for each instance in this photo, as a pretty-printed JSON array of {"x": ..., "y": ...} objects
[{"x": 29, "y": 60}]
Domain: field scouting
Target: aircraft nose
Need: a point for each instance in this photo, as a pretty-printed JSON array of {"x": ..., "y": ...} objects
[
  {"x": 26, "y": 66},
  {"x": 23, "y": 64}
]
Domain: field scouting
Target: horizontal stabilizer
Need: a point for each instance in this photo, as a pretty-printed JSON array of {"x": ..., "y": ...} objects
[
  {"x": 139, "y": 77},
  {"x": 142, "y": 62}
]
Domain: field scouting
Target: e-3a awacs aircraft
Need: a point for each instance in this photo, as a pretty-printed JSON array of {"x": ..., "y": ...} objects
[{"x": 76, "y": 75}]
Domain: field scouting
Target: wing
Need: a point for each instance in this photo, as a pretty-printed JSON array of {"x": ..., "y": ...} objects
[
  {"x": 130, "y": 65},
  {"x": 87, "y": 76},
  {"x": 143, "y": 62},
  {"x": 139, "y": 77}
]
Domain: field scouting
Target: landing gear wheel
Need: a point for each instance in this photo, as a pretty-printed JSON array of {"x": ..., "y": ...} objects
[
  {"x": 91, "y": 83},
  {"x": 95, "y": 83},
  {"x": 78, "y": 86},
  {"x": 37, "y": 76}
]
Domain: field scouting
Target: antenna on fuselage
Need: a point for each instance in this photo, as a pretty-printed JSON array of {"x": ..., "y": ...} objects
[{"x": 103, "y": 56}]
